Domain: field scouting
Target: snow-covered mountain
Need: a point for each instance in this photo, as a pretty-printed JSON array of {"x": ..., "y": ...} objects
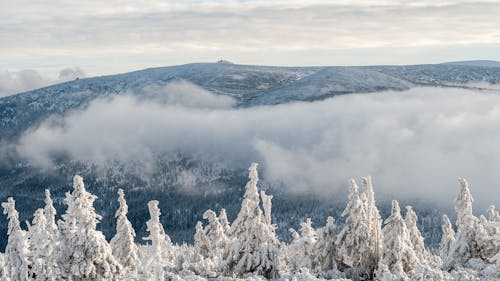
[
  {"x": 480, "y": 63},
  {"x": 249, "y": 86}
]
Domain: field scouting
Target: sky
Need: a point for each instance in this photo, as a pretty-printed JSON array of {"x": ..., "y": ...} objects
[{"x": 108, "y": 37}]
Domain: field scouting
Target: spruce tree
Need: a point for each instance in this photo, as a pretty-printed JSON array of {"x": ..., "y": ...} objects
[
  {"x": 325, "y": 249},
  {"x": 415, "y": 234},
  {"x": 465, "y": 245},
  {"x": 254, "y": 247},
  {"x": 17, "y": 264},
  {"x": 123, "y": 243},
  {"x": 83, "y": 253},
  {"x": 160, "y": 255},
  {"x": 354, "y": 247},
  {"x": 41, "y": 248},
  {"x": 447, "y": 238},
  {"x": 399, "y": 255}
]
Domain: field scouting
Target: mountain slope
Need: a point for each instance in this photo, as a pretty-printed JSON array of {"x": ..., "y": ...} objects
[{"x": 214, "y": 184}]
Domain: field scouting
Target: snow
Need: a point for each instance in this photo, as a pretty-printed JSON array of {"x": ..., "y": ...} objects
[{"x": 248, "y": 249}]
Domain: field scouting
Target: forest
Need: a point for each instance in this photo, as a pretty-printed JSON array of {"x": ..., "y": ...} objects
[{"x": 367, "y": 247}]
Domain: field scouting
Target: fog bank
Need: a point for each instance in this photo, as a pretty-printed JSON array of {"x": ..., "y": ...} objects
[{"x": 414, "y": 143}]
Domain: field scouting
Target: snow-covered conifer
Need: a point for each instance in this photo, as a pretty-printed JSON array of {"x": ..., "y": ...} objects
[
  {"x": 123, "y": 245},
  {"x": 415, "y": 234},
  {"x": 301, "y": 250},
  {"x": 224, "y": 221},
  {"x": 50, "y": 214},
  {"x": 161, "y": 254},
  {"x": 465, "y": 246},
  {"x": 325, "y": 249},
  {"x": 492, "y": 214},
  {"x": 254, "y": 248},
  {"x": 399, "y": 255},
  {"x": 216, "y": 237},
  {"x": 17, "y": 264},
  {"x": 267, "y": 206},
  {"x": 353, "y": 242},
  {"x": 374, "y": 220},
  {"x": 3, "y": 271},
  {"x": 447, "y": 238},
  {"x": 201, "y": 243},
  {"x": 83, "y": 253},
  {"x": 41, "y": 248}
]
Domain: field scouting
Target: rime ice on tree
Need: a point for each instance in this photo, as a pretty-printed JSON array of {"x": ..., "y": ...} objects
[
  {"x": 16, "y": 253},
  {"x": 122, "y": 244},
  {"x": 83, "y": 254},
  {"x": 254, "y": 247}
]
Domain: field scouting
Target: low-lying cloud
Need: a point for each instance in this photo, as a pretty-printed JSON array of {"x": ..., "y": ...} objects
[
  {"x": 29, "y": 79},
  {"x": 414, "y": 143}
]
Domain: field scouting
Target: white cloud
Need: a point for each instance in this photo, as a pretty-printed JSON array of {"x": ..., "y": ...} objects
[
  {"x": 414, "y": 143},
  {"x": 29, "y": 79}
]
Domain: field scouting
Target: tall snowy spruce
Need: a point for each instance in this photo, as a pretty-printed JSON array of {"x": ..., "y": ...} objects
[
  {"x": 122, "y": 244},
  {"x": 465, "y": 245},
  {"x": 215, "y": 237},
  {"x": 254, "y": 246},
  {"x": 301, "y": 250},
  {"x": 325, "y": 249},
  {"x": 83, "y": 254},
  {"x": 160, "y": 255},
  {"x": 374, "y": 221},
  {"x": 50, "y": 216},
  {"x": 399, "y": 257},
  {"x": 354, "y": 249},
  {"x": 415, "y": 235},
  {"x": 41, "y": 248},
  {"x": 17, "y": 264},
  {"x": 447, "y": 238}
]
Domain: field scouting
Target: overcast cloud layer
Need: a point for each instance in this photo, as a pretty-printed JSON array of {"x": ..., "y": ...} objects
[
  {"x": 414, "y": 144},
  {"x": 117, "y": 36}
]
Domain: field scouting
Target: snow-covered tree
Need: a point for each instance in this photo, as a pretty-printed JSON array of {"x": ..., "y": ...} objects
[
  {"x": 447, "y": 238},
  {"x": 465, "y": 246},
  {"x": 3, "y": 272},
  {"x": 301, "y": 250},
  {"x": 224, "y": 221},
  {"x": 415, "y": 234},
  {"x": 160, "y": 255},
  {"x": 83, "y": 253},
  {"x": 50, "y": 215},
  {"x": 374, "y": 220},
  {"x": 201, "y": 242},
  {"x": 254, "y": 247},
  {"x": 41, "y": 248},
  {"x": 463, "y": 204},
  {"x": 17, "y": 264},
  {"x": 216, "y": 237},
  {"x": 492, "y": 214},
  {"x": 325, "y": 249},
  {"x": 399, "y": 255},
  {"x": 122, "y": 244},
  {"x": 267, "y": 206},
  {"x": 354, "y": 249}
]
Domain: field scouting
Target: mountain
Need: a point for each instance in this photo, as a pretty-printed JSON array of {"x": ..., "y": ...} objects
[
  {"x": 216, "y": 186},
  {"x": 249, "y": 85},
  {"x": 480, "y": 63}
]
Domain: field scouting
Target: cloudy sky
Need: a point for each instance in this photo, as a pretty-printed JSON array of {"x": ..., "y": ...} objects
[{"x": 106, "y": 37}]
